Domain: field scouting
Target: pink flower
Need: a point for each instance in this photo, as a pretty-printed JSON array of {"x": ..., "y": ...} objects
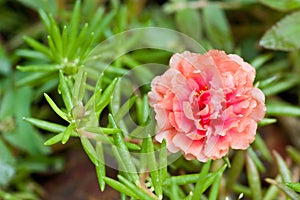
[{"x": 206, "y": 104}]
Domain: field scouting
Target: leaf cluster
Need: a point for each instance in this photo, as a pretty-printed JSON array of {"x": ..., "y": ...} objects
[{"x": 99, "y": 96}]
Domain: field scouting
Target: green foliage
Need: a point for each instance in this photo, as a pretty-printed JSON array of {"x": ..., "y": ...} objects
[
  {"x": 95, "y": 79},
  {"x": 217, "y": 28},
  {"x": 294, "y": 186},
  {"x": 49, "y": 6},
  {"x": 22, "y": 152},
  {"x": 284, "y": 5},
  {"x": 253, "y": 178},
  {"x": 7, "y": 162},
  {"x": 289, "y": 192},
  {"x": 120, "y": 187},
  {"x": 283, "y": 35},
  {"x": 189, "y": 22},
  {"x": 276, "y": 108}
]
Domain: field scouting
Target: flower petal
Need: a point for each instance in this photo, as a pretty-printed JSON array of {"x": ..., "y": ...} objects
[{"x": 206, "y": 104}]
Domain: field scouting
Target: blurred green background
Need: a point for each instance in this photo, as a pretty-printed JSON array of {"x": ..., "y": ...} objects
[{"x": 264, "y": 32}]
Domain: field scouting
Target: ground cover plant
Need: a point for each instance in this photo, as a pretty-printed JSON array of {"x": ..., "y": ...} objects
[{"x": 168, "y": 99}]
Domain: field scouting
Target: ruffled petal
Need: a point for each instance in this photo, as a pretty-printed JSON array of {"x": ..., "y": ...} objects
[{"x": 206, "y": 104}]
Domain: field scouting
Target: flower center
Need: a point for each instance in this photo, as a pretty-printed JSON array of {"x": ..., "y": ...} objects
[{"x": 201, "y": 98}]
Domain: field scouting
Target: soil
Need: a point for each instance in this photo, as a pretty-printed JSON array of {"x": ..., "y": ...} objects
[{"x": 78, "y": 180}]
